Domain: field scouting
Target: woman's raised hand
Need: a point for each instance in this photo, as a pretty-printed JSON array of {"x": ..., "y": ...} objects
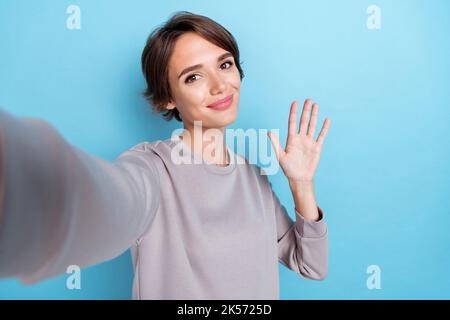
[{"x": 300, "y": 158}]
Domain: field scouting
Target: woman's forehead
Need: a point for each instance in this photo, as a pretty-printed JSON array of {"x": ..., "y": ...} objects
[{"x": 191, "y": 49}]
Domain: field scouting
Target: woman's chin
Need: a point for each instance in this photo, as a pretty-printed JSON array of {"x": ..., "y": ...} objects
[{"x": 226, "y": 119}]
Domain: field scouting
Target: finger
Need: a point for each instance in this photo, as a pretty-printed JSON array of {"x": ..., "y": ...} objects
[
  {"x": 324, "y": 131},
  {"x": 276, "y": 144},
  {"x": 292, "y": 125},
  {"x": 304, "y": 117},
  {"x": 313, "y": 120}
]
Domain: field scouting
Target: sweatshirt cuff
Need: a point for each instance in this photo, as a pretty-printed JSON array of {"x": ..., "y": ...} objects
[{"x": 310, "y": 228}]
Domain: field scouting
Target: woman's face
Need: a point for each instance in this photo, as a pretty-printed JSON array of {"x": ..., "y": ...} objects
[{"x": 197, "y": 88}]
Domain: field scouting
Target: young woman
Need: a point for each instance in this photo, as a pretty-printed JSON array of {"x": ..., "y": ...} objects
[{"x": 210, "y": 228}]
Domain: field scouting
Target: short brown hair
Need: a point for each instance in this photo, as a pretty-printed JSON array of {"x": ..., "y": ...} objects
[{"x": 159, "y": 47}]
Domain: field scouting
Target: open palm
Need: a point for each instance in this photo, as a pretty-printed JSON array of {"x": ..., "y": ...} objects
[{"x": 301, "y": 157}]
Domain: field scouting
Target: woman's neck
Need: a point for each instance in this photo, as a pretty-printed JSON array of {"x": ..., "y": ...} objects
[{"x": 209, "y": 144}]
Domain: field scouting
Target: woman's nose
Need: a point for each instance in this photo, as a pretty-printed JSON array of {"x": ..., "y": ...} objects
[{"x": 218, "y": 85}]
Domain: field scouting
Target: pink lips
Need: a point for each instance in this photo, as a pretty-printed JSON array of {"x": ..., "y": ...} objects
[{"x": 222, "y": 104}]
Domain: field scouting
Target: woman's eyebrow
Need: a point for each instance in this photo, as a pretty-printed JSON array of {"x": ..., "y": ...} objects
[{"x": 198, "y": 66}]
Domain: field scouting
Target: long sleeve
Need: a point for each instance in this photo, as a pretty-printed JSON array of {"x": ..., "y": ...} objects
[
  {"x": 303, "y": 244},
  {"x": 60, "y": 206}
]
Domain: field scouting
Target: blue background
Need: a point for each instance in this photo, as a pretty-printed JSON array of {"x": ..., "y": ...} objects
[{"x": 383, "y": 178}]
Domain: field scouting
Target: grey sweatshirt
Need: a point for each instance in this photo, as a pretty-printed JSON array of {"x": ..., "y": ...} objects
[{"x": 196, "y": 230}]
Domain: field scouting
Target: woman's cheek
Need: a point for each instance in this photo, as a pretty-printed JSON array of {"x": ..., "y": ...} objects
[
  {"x": 196, "y": 96},
  {"x": 235, "y": 80}
]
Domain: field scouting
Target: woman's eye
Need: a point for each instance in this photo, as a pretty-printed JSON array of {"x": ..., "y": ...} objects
[
  {"x": 188, "y": 79},
  {"x": 229, "y": 62}
]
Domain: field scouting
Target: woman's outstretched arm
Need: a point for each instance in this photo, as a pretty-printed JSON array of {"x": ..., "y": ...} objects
[{"x": 60, "y": 206}]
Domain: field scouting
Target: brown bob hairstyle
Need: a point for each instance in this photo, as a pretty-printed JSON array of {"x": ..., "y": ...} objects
[{"x": 159, "y": 47}]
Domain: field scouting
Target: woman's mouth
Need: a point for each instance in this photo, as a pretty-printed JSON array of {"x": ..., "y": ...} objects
[{"x": 222, "y": 104}]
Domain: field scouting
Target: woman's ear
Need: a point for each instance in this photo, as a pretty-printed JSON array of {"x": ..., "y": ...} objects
[{"x": 170, "y": 105}]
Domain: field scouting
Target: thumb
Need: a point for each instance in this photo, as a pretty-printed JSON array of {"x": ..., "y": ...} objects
[{"x": 276, "y": 144}]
